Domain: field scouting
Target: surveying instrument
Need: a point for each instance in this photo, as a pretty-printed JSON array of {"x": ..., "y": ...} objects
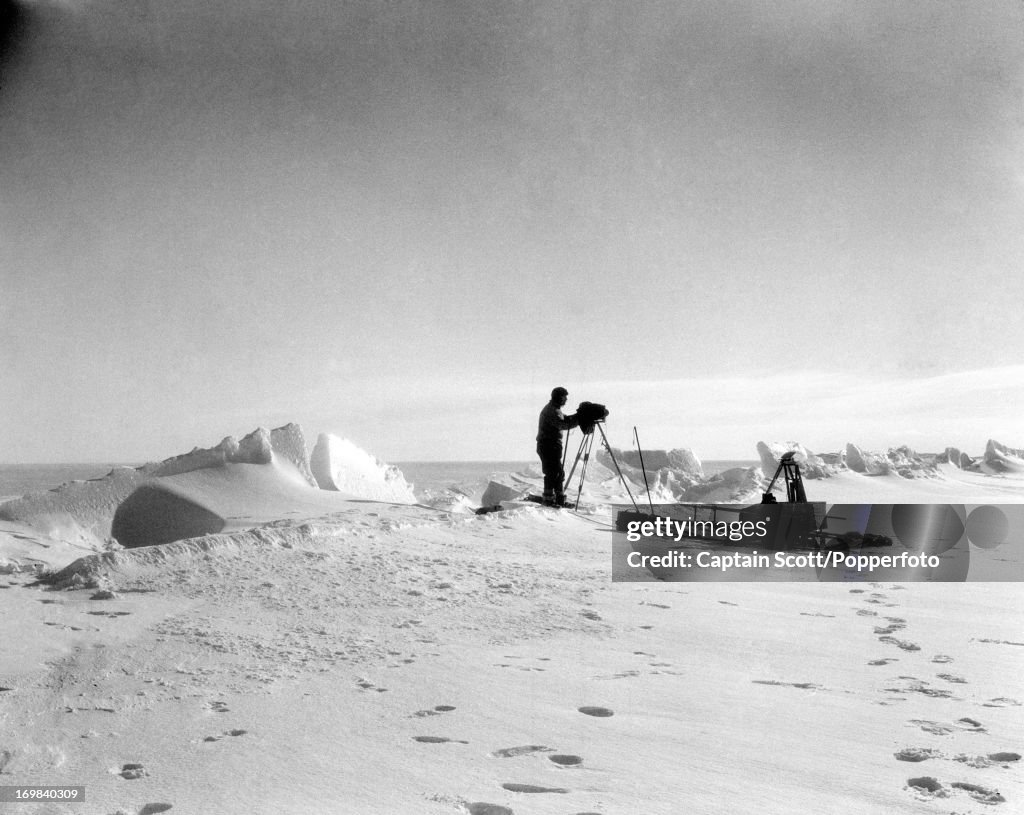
[{"x": 591, "y": 418}]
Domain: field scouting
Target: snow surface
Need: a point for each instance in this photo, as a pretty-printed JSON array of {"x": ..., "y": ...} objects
[{"x": 329, "y": 654}]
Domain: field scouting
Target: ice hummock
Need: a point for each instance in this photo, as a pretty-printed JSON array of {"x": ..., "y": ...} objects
[
  {"x": 236, "y": 484},
  {"x": 896, "y": 474},
  {"x": 1000, "y": 459},
  {"x": 341, "y": 466}
]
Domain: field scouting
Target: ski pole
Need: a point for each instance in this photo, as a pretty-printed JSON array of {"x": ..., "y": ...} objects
[{"x": 643, "y": 469}]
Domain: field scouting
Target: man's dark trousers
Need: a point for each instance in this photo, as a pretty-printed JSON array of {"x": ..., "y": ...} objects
[{"x": 551, "y": 464}]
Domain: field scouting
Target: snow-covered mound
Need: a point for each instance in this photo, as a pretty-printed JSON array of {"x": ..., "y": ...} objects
[
  {"x": 238, "y": 483},
  {"x": 339, "y": 465},
  {"x": 902, "y": 461},
  {"x": 999, "y": 459},
  {"x": 736, "y": 486},
  {"x": 79, "y": 511},
  {"x": 286, "y": 444},
  {"x": 669, "y": 474},
  {"x": 861, "y": 461},
  {"x": 83, "y": 511},
  {"x": 680, "y": 460},
  {"x": 502, "y": 490},
  {"x": 957, "y": 458},
  {"x": 214, "y": 499},
  {"x": 908, "y": 463}
]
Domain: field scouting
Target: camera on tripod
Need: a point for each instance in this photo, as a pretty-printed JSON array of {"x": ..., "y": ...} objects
[{"x": 589, "y": 414}]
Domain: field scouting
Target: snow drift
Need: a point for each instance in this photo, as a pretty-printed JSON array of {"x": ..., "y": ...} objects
[
  {"x": 85, "y": 510},
  {"x": 238, "y": 483},
  {"x": 339, "y": 465}
]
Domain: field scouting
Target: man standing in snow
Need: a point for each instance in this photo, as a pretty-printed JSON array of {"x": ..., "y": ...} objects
[{"x": 549, "y": 445}]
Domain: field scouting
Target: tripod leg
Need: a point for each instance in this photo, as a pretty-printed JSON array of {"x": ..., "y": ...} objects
[
  {"x": 608, "y": 447},
  {"x": 583, "y": 472},
  {"x": 583, "y": 442}
]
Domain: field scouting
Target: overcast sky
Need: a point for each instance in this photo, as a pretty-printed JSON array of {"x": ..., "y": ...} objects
[{"x": 406, "y": 222}]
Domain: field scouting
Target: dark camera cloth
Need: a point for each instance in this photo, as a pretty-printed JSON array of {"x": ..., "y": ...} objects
[{"x": 588, "y": 414}]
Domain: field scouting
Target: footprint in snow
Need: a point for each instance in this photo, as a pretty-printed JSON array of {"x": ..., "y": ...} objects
[
  {"x": 800, "y": 685},
  {"x": 916, "y": 754},
  {"x": 902, "y": 644},
  {"x": 920, "y": 686},
  {"x": 226, "y": 733},
  {"x": 623, "y": 675},
  {"x": 523, "y": 750},
  {"x": 979, "y": 762},
  {"x": 941, "y": 729},
  {"x": 131, "y": 771},
  {"x": 483, "y": 808},
  {"x": 1004, "y": 758},
  {"x": 928, "y": 787},
  {"x": 1000, "y": 642},
  {"x": 979, "y": 793},
  {"x": 532, "y": 788},
  {"x": 437, "y": 711}
]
